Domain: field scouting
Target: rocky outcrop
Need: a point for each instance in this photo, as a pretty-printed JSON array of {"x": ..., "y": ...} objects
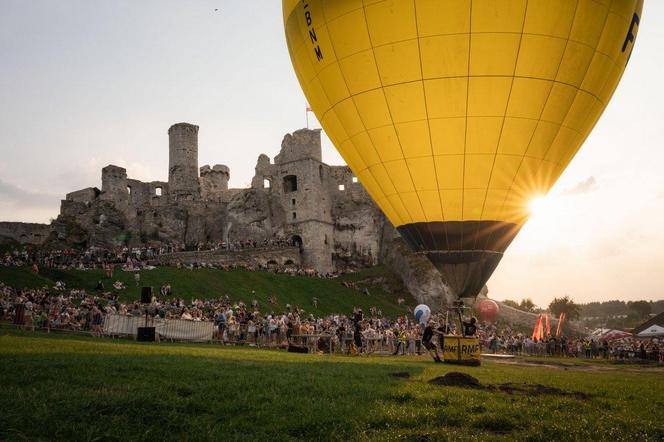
[
  {"x": 418, "y": 275},
  {"x": 24, "y": 233}
]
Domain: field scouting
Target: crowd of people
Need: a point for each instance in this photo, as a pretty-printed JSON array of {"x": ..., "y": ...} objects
[
  {"x": 139, "y": 258},
  {"x": 90, "y": 258},
  {"x": 236, "y": 322},
  {"x": 253, "y": 324},
  {"x": 266, "y": 243},
  {"x": 503, "y": 339},
  {"x": 287, "y": 269},
  {"x": 56, "y": 308}
]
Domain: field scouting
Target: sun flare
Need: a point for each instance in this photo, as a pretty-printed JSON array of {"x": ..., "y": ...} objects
[
  {"x": 545, "y": 216},
  {"x": 538, "y": 205}
]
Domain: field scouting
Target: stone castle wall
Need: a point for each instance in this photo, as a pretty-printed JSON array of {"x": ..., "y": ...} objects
[{"x": 252, "y": 257}]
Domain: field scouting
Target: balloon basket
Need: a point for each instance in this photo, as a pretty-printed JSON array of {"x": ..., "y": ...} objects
[{"x": 461, "y": 351}]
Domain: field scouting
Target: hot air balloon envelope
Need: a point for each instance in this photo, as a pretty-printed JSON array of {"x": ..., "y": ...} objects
[
  {"x": 422, "y": 313},
  {"x": 487, "y": 309},
  {"x": 454, "y": 114}
]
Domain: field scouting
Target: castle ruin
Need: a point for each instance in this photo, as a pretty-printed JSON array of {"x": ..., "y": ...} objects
[
  {"x": 322, "y": 211},
  {"x": 320, "y": 208}
]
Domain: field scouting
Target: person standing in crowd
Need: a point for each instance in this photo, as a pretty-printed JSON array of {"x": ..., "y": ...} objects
[{"x": 401, "y": 341}]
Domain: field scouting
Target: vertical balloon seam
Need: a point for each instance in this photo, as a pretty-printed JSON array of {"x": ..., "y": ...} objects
[
  {"x": 366, "y": 21},
  {"x": 428, "y": 119},
  {"x": 465, "y": 134},
  {"x": 351, "y": 97},
  {"x": 502, "y": 126},
  {"x": 483, "y": 248}
]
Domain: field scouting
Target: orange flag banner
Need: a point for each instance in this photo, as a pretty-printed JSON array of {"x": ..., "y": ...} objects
[
  {"x": 548, "y": 326},
  {"x": 537, "y": 327},
  {"x": 559, "y": 329}
]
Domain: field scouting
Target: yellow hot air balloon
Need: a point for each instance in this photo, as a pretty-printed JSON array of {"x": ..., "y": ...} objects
[{"x": 454, "y": 114}]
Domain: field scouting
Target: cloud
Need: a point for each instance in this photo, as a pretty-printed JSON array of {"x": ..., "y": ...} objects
[
  {"x": 586, "y": 186},
  {"x": 14, "y": 195}
]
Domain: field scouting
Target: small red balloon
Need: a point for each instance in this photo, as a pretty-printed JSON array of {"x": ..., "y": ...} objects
[{"x": 487, "y": 309}]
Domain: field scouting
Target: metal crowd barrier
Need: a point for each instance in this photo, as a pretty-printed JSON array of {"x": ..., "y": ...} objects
[{"x": 346, "y": 344}]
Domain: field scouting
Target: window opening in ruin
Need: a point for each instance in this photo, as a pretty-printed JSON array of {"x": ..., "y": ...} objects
[
  {"x": 129, "y": 190},
  {"x": 289, "y": 262},
  {"x": 293, "y": 201},
  {"x": 290, "y": 183},
  {"x": 294, "y": 215},
  {"x": 355, "y": 180},
  {"x": 266, "y": 184},
  {"x": 342, "y": 187},
  {"x": 325, "y": 239},
  {"x": 320, "y": 172},
  {"x": 158, "y": 191}
]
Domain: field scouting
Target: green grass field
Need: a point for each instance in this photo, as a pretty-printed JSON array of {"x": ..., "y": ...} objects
[
  {"x": 72, "y": 388},
  {"x": 237, "y": 284}
]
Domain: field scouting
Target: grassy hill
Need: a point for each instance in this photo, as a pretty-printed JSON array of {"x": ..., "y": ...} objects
[
  {"x": 383, "y": 287},
  {"x": 57, "y": 388}
]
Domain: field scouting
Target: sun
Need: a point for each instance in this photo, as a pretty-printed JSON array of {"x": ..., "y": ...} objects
[
  {"x": 540, "y": 230},
  {"x": 538, "y": 206}
]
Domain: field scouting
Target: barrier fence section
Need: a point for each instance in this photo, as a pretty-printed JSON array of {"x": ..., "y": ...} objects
[
  {"x": 165, "y": 329},
  {"x": 345, "y": 344}
]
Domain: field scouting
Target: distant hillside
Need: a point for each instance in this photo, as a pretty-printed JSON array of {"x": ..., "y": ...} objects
[{"x": 383, "y": 287}]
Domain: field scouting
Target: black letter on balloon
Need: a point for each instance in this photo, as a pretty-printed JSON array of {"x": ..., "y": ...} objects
[{"x": 630, "y": 34}]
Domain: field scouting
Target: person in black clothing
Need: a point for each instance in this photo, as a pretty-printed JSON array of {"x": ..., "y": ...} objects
[
  {"x": 426, "y": 341},
  {"x": 469, "y": 328},
  {"x": 358, "y": 317}
]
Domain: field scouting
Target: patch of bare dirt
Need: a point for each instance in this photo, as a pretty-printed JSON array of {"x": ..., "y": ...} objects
[{"x": 457, "y": 379}]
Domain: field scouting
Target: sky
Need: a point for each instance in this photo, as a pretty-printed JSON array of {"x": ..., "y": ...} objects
[{"x": 87, "y": 83}]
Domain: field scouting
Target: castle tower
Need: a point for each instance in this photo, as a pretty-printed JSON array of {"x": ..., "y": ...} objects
[
  {"x": 214, "y": 181},
  {"x": 303, "y": 186},
  {"x": 114, "y": 186},
  {"x": 183, "y": 162}
]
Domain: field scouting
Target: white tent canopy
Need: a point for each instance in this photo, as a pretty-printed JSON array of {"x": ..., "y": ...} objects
[{"x": 652, "y": 332}]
